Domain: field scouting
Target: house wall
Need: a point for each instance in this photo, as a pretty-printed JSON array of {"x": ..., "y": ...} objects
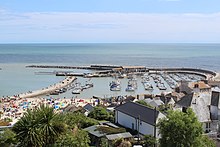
[
  {"x": 214, "y": 126},
  {"x": 127, "y": 121},
  {"x": 218, "y": 114},
  {"x": 146, "y": 128},
  {"x": 214, "y": 112}
]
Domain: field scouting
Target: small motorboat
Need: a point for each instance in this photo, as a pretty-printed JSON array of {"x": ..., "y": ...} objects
[
  {"x": 115, "y": 86},
  {"x": 76, "y": 91}
]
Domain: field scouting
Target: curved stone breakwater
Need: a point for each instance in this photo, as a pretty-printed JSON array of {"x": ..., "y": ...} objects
[
  {"x": 128, "y": 69},
  {"x": 52, "y": 88}
]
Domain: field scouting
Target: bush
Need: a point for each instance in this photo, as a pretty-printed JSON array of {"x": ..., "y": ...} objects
[
  {"x": 100, "y": 113},
  {"x": 78, "y": 119},
  {"x": 142, "y": 102}
]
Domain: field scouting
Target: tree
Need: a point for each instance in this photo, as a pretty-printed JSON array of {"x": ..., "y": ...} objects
[
  {"x": 7, "y": 138},
  {"x": 72, "y": 119},
  {"x": 48, "y": 125},
  {"x": 149, "y": 141},
  {"x": 100, "y": 113},
  {"x": 204, "y": 141},
  {"x": 26, "y": 130},
  {"x": 38, "y": 128},
  {"x": 180, "y": 129},
  {"x": 74, "y": 138},
  {"x": 125, "y": 143},
  {"x": 142, "y": 102},
  {"x": 121, "y": 143},
  {"x": 103, "y": 142}
]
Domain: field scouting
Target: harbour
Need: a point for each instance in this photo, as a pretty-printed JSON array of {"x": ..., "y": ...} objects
[{"x": 113, "y": 81}]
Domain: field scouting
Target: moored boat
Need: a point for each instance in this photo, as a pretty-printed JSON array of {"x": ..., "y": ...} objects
[
  {"x": 87, "y": 86},
  {"x": 76, "y": 91},
  {"x": 131, "y": 86},
  {"x": 147, "y": 86},
  {"x": 115, "y": 85},
  {"x": 161, "y": 86}
]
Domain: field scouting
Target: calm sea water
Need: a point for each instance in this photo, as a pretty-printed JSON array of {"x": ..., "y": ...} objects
[{"x": 15, "y": 78}]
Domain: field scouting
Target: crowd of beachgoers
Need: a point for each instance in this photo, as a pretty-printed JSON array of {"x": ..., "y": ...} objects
[{"x": 13, "y": 108}]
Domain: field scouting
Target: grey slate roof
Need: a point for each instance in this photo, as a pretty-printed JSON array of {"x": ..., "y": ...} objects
[
  {"x": 186, "y": 100},
  {"x": 215, "y": 98},
  {"x": 93, "y": 130},
  {"x": 119, "y": 135},
  {"x": 134, "y": 109},
  {"x": 88, "y": 107}
]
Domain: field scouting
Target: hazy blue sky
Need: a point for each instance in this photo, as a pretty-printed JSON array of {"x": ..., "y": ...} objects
[{"x": 109, "y": 21}]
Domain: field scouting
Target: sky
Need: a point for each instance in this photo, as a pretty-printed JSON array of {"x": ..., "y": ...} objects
[{"x": 109, "y": 21}]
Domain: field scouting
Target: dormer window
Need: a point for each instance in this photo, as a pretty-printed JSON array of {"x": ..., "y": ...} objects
[
  {"x": 196, "y": 86},
  {"x": 194, "y": 102}
]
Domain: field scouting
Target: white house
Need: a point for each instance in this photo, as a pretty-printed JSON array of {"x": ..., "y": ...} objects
[{"x": 138, "y": 117}]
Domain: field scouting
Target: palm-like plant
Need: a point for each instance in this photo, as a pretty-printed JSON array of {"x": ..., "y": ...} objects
[
  {"x": 49, "y": 127},
  {"x": 38, "y": 128},
  {"x": 26, "y": 130}
]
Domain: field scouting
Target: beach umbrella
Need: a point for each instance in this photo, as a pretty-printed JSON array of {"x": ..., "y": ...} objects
[
  {"x": 81, "y": 100},
  {"x": 56, "y": 106}
]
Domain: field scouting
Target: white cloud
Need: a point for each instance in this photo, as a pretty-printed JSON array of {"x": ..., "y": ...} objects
[{"x": 109, "y": 27}]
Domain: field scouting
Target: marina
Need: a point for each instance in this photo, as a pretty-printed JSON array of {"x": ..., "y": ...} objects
[
  {"x": 115, "y": 84},
  {"x": 114, "y": 81}
]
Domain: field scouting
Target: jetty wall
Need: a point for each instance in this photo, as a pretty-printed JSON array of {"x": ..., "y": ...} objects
[{"x": 112, "y": 68}]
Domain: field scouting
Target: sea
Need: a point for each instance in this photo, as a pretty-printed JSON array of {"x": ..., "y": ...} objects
[{"x": 15, "y": 78}]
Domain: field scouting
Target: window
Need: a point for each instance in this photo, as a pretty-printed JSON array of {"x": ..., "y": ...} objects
[
  {"x": 184, "y": 109},
  {"x": 208, "y": 127}
]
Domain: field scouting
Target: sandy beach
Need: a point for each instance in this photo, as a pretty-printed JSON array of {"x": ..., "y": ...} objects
[{"x": 15, "y": 108}]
